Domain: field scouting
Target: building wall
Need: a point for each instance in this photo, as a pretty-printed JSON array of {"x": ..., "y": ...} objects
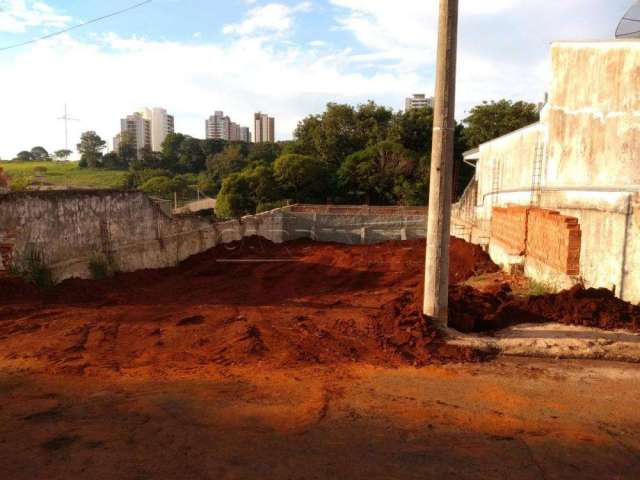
[
  {"x": 594, "y": 114},
  {"x": 589, "y": 136}
]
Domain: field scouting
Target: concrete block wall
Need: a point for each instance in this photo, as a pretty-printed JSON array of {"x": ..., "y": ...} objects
[{"x": 554, "y": 240}]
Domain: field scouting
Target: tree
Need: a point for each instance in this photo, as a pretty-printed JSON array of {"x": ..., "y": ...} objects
[
  {"x": 234, "y": 199},
  {"x": 231, "y": 160},
  {"x": 414, "y": 130},
  {"x": 62, "y": 155},
  {"x": 373, "y": 175},
  {"x": 494, "y": 119},
  {"x": 40, "y": 154},
  {"x": 90, "y": 148},
  {"x": 302, "y": 178},
  {"x": 25, "y": 156}
]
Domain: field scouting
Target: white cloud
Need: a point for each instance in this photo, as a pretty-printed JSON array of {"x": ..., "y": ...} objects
[
  {"x": 113, "y": 76},
  {"x": 273, "y": 17},
  {"x": 18, "y": 15},
  {"x": 503, "y": 53}
]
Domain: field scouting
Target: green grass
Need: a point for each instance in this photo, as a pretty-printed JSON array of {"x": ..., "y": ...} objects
[{"x": 65, "y": 173}]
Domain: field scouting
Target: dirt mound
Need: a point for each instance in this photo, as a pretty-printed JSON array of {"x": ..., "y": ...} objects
[
  {"x": 467, "y": 260},
  {"x": 245, "y": 302},
  {"x": 475, "y": 311}
]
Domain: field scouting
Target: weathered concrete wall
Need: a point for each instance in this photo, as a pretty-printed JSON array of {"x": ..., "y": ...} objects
[
  {"x": 594, "y": 114},
  {"x": 69, "y": 227},
  {"x": 125, "y": 227},
  {"x": 589, "y": 135}
]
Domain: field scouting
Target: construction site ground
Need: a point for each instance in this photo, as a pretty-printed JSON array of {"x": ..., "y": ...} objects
[{"x": 305, "y": 361}]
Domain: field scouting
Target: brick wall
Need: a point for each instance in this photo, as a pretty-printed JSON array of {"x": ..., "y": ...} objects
[
  {"x": 509, "y": 228},
  {"x": 554, "y": 240}
]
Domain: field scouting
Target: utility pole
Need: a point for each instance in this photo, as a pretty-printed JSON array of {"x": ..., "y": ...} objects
[
  {"x": 436, "y": 284},
  {"x": 67, "y": 119}
]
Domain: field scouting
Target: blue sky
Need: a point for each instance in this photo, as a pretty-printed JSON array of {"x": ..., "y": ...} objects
[{"x": 288, "y": 58}]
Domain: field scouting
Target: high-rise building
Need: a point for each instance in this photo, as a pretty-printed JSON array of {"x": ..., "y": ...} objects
[
  {"x": 264, "y": 128},
  {"x": 245, "y": 134},
  {"x": 220, "y": 127},
  {"x": 418, "y": 100},
  {"x": 137, "y": 129},
  {"x": 162, "y": 124}
]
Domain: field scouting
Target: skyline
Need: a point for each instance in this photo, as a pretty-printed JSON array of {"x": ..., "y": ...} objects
[{"x": 288, "y": 58}]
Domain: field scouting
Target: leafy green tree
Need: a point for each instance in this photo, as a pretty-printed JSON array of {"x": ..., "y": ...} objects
[
  {"x": 62, "y": 155},
  {"x": 90, "y": 148},
  {"x": 25, "y": 156},
  {"x": 40, "y": 154},
  {"x": 373, "y": 174},
  {"x": 266, "y": 153},
  {"x": 493, "y": 119},
  {"x": 302, "y": 178},
  {"x": 414, "y": 130},
  {"x": 161, "y": 186},
  {"x": 170, "y": 153},
  {"x": 191, "y": 156},
  {"x": 235, "y": 199},
  {"x": 231, "y": 160}
]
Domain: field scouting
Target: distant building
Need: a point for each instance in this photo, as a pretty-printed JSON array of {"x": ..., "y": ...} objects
[
  {"x": 245, "y": 134},
  {"x": 418, "y": 100},
  {"x": 220, "y": 127},
  {"x": 162, "y": 124},
  {"x": 137, "y": 129},
  {"x": 264, "y": 128}
]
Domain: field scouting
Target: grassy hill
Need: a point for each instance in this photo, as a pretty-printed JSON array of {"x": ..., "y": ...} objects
[{"x": 65, "y": 173}]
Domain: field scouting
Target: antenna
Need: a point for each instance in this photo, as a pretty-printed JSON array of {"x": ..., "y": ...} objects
[
  {"x": 67, "y": 118},
  {"x": 629, "y": 26}
]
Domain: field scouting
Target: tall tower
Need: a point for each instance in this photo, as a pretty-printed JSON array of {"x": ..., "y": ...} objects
[{"x": 264, "y": 128}]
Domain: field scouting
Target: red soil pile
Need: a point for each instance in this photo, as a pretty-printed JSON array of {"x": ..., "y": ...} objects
[
  {"x": 475, "y": 311},
  {"x": 254, "y": 301},
  {"x": 250, "y": 301}
]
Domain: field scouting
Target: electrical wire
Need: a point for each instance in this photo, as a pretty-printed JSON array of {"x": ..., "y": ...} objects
[{"x": 45, "y": 37}]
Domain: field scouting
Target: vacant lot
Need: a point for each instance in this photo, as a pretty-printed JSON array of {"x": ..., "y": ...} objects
[
  {"x": 65, "y": 173},
  {"x": 297, "y": 361}
]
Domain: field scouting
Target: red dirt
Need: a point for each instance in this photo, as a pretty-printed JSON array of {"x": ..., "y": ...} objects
[
  {"x": 255, "y": 301},
  {"x": 252, "y": 301}
]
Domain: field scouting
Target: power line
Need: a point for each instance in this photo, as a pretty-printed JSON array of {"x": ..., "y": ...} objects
[{"x": 45, "y": 37}]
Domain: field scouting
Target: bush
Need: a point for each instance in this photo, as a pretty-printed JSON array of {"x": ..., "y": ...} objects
[
  {"x": 33, "y": 268},
  {"x": 99, "y": 266}
]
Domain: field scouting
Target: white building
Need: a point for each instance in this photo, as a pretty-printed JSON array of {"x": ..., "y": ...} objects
[
  {"x": 418, "y": 100},
  {"x": 162, "y": 124},
  {"x": 137, "y": 129},
  {"x": 264, "y": 128},
  {"x": 220, "y": 127}
]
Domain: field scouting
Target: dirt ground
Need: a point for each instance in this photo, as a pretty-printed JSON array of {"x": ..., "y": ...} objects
[
  {"x": 507, "y": 419},
  {"x": 298, "y": 361}
]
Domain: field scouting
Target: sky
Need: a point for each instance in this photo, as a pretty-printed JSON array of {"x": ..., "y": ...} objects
[{"x": 287, "y": 58}]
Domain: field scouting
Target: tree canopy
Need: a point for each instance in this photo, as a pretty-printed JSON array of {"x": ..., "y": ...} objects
[
  {"x": 90, "y": 148},
  {"x": 491, "y": 120}
]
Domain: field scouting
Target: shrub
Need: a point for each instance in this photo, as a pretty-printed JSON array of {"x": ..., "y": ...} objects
[
  {"x": 33, "y": 268},
  {"x": 99, "y": 266}
]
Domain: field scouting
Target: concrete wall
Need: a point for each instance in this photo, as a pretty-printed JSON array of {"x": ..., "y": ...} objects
[
  {"x": 126, "y": 227},
  {"x": 589, "y": 136},
  {"x": 69, "y": 227},
  {"x": 594, "y": 114}
]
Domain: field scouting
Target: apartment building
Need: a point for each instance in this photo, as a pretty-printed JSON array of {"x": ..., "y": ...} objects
[
  {"x": 220, "y": 127},
  {"x": 162, "y": 124},
  {"x": 137, "y": 129},
  {"x": 264, "y": 128},
  {"x": 418, "y": 100}
]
